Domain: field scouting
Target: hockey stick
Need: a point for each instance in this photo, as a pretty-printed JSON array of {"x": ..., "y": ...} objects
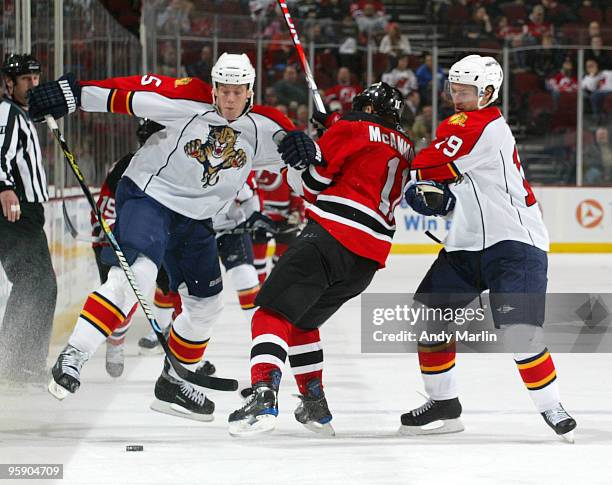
[
  {"x": 210, "y": 382},
  {"x": 302, "y": 55},
  {"x": 73, "y": 231}
]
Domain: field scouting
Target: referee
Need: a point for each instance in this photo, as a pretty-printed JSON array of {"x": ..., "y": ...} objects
[{"x": 24, "y": 252}]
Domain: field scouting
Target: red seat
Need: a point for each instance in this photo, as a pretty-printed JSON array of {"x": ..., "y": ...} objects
[
  {"x": 574, "y": 33},
  {"x": 457, "y": 14},
  {"x": 565, "y": 114},
  {"x": 540, "y": 102},
  {"x": 525, "y": 82},
  {"x": 514, "y": 11},
  {"x": 607, "y": 107},
  {"x": 414, "y": 62},
  {"x": 590, "y": 14},
  {"x": 489, "y": 44},
  {"x": 380, "y": 64}
]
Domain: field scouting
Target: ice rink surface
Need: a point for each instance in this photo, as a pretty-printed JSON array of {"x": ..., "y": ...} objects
[{"x": 505, "y": 441}]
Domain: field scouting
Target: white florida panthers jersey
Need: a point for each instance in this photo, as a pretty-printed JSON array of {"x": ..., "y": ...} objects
[
  {"x": 199, "y": 162},
  {"x": 476, "y": 151}
]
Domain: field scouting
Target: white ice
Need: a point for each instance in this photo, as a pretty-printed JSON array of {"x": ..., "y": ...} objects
[{"x": 506, "y": 441}]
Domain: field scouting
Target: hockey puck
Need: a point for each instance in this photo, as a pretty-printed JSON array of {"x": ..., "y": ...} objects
[{"x": 134, "y": 448}]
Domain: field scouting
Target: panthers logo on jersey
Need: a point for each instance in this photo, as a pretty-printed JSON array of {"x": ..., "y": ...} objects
[{"x": 218, "y": 153}]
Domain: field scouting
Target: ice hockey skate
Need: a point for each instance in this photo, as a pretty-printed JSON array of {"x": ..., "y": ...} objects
[
  {"x": 149, "y": 344},
  {"x": 258, "y": 415},
  {"x": 433, "y": 417},
  {"x": 561, "y": 422},
  {"x": 177, "y": 397},
  {"x": 66, "y": 373},
  {"x": 313, "y": 411},
  {"x": 115, "y": 359}
]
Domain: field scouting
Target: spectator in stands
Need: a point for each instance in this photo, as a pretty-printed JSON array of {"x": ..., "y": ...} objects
[
  {"x": 594, "y": 29},
  {"x": 202, "y": 68},
  {"x": 565, "y": 80},
  {"x": 424, "y": 78},
  {"x": 394, "y": 43},
  {"x": 480, "y": 27},
  {"x": 507, "y": 32},
  {"x": 270, "y": 97},
  {"x": 283, "y": 109},
  {"x": 357, "y": 7},
  {"x": 168, "y": 60},
  {"x": 305, "y": 8},
  {"x": 371, "y": 20},
  {"x": 409, "y": 114},
  {"x": 278, "y": 52},
  {"x": 598, "y": 158},
  {"x": 557, "y": 13},
  {"x": 597, "y": 84},
  {"x": 176, "y": 17},
  {"x": 600, "y": 55},
  {"x": 301, "y": 118},
  {"x": 332, "y": 9},
  {"x": 402, "y": 77},
  {"x": 348, "y": 38},
  {"x": 291, "y": 89},
  {"x": 344, "y": 91},
  {"x": 421, "y": 129},
  {"x": 512, "y": 36},
  {"x": 547, "y": 59},
  {"x": 537, "y": 27}
]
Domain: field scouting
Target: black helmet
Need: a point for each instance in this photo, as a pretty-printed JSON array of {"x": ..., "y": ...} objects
[
  {"x": 146, "y": 128},
  {"x": 384, "y": 99},
  {"x": 20, "y": 64}
]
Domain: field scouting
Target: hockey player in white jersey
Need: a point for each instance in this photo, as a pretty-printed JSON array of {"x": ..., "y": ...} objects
[
  {"x": 177, "y": 182},
  {"x": 471, "y": 173}
]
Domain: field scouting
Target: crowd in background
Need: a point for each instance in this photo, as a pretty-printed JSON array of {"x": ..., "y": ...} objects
[
  {"x": 543, "y": 78},
  {"x": 543, "y": 96}
]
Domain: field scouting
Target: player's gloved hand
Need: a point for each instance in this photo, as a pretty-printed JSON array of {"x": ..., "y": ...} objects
[
  {"x": 324, "y": 121},
  {"x": 299, "y": 151},
  {"x": 430, "y": 198},
  {"x": 260, "y": 223},
  {"x": 55, "y": 98}
]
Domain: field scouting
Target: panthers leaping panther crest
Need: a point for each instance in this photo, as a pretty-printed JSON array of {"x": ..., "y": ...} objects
[{"x": 218, "y": 153}]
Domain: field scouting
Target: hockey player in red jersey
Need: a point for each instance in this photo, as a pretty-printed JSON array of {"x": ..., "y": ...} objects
[
  {"x": 353, "y": 178},
  {"x": 175, "y": 184},
  {"x": 284, "y": 207},
  {"x": 497, "y": 240}
]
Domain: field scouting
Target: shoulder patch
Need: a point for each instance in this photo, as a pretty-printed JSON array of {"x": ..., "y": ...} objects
[
  {"x": 458, "y": 119},
  {"x": 182, "y": 81}
]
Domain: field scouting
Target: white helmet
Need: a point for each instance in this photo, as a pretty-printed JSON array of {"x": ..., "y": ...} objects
[
  {"x": 233, "y": 69},
  {"x": 480, "y": 72}
]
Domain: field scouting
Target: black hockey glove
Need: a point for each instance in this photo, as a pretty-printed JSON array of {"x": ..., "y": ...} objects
[
  {"x": 259, "y": 223},
  {"x": 299, "y": 151},
  {"x": 324, "y": 121},
  {"x": 55, "y": 98},
  {"x": 430, "y": 198}
]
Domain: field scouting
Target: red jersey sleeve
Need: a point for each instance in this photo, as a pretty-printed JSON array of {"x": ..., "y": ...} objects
[
  {"x": 160, "y": 98},
  {"x": 444, "y": 159},
  {"x": 337, "y": 145}
]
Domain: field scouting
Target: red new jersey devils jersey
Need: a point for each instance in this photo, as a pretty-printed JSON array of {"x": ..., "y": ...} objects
[
  {"x": 278, "y": 198},
  {"x": 355, "y": 193}
]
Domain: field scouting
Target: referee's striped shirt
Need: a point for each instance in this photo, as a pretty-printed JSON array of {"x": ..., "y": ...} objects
[{"x": 21, "y": 167}]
